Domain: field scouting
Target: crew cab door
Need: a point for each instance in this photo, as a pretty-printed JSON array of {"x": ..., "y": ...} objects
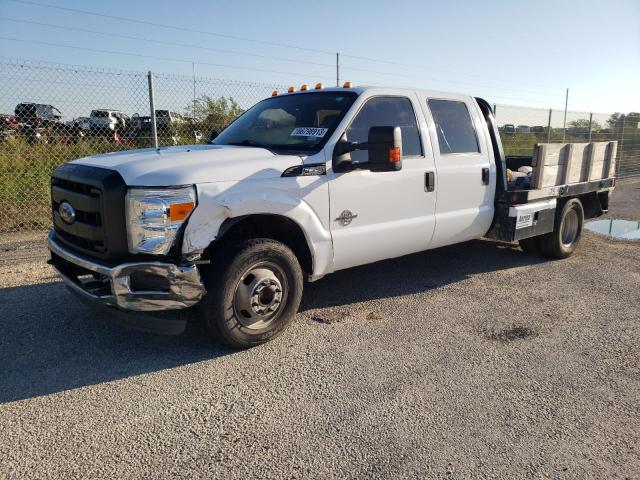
[
  {"x": 466, "y": 173},
  {"x": 378, "y": 215}
]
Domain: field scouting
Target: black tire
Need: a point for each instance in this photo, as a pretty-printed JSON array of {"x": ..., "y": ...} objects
[
  {"x": 238, "y": 280},
  {"x": 567, "y": 231},
  {"x": 530, "y": 245}
]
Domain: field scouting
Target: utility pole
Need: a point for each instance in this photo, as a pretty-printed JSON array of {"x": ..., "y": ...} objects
[{"x": 564, "y": 123}]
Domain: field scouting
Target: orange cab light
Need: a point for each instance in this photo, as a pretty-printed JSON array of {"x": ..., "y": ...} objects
[
  {"x": 394, "y": 155},
  {"x": 319, "y": 86},
  {"x": 304, "y": 87},
  {"x": 179, "y": 211},
  {"x": 291, "y": 89},
  {"x": 274, "y": 93},
  {"x": 346, "y": 85}
]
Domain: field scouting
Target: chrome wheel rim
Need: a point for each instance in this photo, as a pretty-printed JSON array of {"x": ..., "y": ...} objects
[
  {"x": 260, "y": 295},
  {"x": 569, "y": 230}
]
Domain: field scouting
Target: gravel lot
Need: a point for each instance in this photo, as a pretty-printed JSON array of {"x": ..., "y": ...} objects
[{"x": 471, "y": 361}]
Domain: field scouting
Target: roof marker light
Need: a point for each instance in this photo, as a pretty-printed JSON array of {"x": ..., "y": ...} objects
[
  {"x": 319, "y": 86},
  {"x": 274, "y": 93},
  {"x": 291, "y": 89},
  {"x": 346, "y": 85},
  {"x": 304, "y": 87}
]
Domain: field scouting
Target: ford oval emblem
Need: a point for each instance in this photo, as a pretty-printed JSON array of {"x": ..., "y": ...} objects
[{"x": 67, "y": 212}]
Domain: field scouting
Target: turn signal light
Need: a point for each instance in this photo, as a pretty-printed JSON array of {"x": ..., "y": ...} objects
[
  {"x": 346, "y": 85},
  {"x": 291, "y": 89},
  {"x": 274, "y": 93},
  {"x": 394, "y": 155},
  {"x": 319, "y": 86},
  {"x": 179, "y": 211},
  {"x": 304, "y": 87}
]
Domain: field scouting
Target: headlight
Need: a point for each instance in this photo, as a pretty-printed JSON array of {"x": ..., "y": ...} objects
[{"x": 154, "y": 217}]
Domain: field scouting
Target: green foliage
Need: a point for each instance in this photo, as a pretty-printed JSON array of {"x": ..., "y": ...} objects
[
  {"x": 582, "y": 125},
  {"x": 213, "y": 114}
]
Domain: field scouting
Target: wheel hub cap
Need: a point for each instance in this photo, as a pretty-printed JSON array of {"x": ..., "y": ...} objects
[{"x": 259, "y": 296}]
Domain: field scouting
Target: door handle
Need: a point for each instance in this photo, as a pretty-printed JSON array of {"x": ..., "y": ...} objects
[
  {"x": 429, "y": 181},
  {"x": 485, "y": 176}
]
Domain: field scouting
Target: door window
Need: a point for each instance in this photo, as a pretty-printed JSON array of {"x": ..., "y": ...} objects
[
  {"x": 456, "y": 133},
  {"x": 385, "y": 112}
]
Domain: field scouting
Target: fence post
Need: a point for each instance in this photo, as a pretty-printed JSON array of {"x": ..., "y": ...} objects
[
  {"x": 564, "y": 123},
  {"x": 549, "y": 127},
  {"x": 152, "y": 107},
  {"x": 337, "y": 69},
  {"x": 590, "y": 126},
  {"x": 620, "y": 145},
  {"x": 193, "y": 119},
  {"x": 495, "y": 108}
]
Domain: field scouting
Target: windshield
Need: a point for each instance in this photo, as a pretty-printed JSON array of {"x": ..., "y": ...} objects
[{"x": 289, "y": 122}]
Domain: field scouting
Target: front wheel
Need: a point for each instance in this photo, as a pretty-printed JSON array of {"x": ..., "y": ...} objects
[
  {"x": 567, "y": 231},
  {"x": 253, "y": 292}
]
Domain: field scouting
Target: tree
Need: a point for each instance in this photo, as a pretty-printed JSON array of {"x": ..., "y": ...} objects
[
  {"x": 582, "y": 125},
  {"x": 213, "y": 114},
  {"x": 631, "y": 119}
]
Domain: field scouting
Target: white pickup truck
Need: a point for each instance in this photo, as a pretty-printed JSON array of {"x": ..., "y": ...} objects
[{"x": 301, "y": 185}]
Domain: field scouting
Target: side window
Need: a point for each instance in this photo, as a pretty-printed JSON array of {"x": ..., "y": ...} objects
[
  {"x": 456, "y": 133},
  {"x": 385, "y": 112}
]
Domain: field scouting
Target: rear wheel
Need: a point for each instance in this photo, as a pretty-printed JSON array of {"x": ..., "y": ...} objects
[
  {"x": 253, "y": 292},
  {"x": 567, "y": 231}
]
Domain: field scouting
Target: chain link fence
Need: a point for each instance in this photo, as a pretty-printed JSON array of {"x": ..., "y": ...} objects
[{"x": 51, "y": 113}]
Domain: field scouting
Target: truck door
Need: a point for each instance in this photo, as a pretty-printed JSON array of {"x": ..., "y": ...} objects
[
  {"x": 465, "y": 171},
  {"x": 377, "y": 215}
]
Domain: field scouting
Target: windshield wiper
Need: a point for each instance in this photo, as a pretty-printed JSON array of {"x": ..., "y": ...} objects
[{"x": 250, "y": 143}]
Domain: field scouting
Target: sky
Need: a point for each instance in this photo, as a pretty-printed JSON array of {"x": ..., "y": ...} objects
[{"x": 509, "y": 52}]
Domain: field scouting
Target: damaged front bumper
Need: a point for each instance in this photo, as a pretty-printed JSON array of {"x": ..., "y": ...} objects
[{"x": 136, "y": 286}]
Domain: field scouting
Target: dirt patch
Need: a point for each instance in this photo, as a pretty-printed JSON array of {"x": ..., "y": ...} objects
[{"x": 513, "y": 333}]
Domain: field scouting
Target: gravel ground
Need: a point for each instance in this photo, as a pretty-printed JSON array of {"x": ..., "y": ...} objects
[{"x": 470, "y": 361}]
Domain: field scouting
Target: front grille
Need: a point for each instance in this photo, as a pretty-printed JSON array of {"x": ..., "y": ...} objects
[{"x": 97, "y": 197}]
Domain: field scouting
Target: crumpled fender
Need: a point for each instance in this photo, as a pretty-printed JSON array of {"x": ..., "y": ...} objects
[{"x": 217, "y": 204}]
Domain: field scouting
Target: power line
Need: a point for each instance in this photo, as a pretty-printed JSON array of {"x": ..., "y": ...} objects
[
  {"x": 395, "y": 74},
  {"x": 155, "y": 57},
  {"x": 277, "y": 44},
  {"x": 413, "y": 65},
  {"x": 164, "y": 42},
  {"x": 173, "y": 27},
  {"x": 236, "y": 52}
]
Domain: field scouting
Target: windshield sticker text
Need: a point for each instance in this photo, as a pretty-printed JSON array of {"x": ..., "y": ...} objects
[{"x": 309, "y": 132}]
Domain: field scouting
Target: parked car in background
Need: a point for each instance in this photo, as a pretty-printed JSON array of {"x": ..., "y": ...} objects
[
  {"x": 108, "y": 122},
  {"x": 167, "y": 117},
  {"x": 39, "y": 121},
  {"x": 508, "y": 129},
  {"x": 83, "y": 123},
  {"x": 537, "y": 129},
  {"x": 9, "y": 126},
  {"x": 523, "y": 129}
]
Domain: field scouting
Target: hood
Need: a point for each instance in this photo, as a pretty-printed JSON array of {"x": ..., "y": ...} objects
[{"x": 191, "y": 164}]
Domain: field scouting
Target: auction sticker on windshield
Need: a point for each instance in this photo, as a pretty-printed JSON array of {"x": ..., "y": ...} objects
[{"x": 309, "y": 132}]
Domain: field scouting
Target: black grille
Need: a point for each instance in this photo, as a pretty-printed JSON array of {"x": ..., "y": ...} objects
[{"x": 97, "y": 197}]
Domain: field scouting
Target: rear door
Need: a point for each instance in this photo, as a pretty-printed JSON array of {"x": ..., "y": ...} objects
[
  {"x": 466, "y": 174},
  {"x": 389, "y": 213}
]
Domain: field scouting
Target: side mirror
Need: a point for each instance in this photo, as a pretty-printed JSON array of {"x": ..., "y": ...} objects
[
  {"x": 384, "y": 146},
  {"x": 213, "y": 136},
  {"x": 385, "y": 149}
]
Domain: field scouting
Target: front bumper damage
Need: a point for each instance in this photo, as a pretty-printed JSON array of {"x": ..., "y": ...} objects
[{"x": 148, "y": 286}]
